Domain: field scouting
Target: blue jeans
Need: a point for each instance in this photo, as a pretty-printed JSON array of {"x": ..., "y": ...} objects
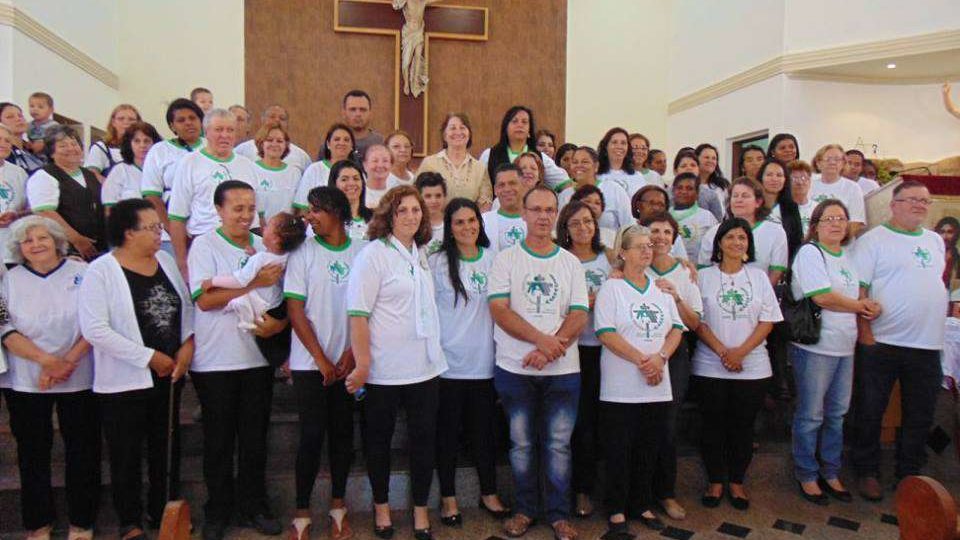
[
  {"x": 824, "y": 385},
  {"x": 542, "y": 412}
]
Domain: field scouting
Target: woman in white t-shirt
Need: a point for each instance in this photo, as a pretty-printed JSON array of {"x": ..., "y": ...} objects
[
  {"x": 593, "y": 198},
  {"x": 585, "y": 163},
  {"x": 578, "y": 233},
  {"x": 123, "y": 180},
  {"x": 640, "y": 328},
  {"x": 377, "y": 161},
  {"x": 731, "y": 367},
  {"x": 461, "y": 273},
  {"x": 640, "y": 145},
  {"x": 49, "y": 367},
  {"x": 401, "y": 148},
  {"x": 824, "y": 272},
  {"x": 348, "y": 177},
  {"x": 395, "y": 336},
  {"x": 679, "y": 281},
  {"x": 315, "y": 287},
  {"x": 338, "y": 145},
  {"x": 692, "y": 220},
  {"x": 616, "y": 161},
  {"x": 13, "y": 199},
  {"x": 277, "y": 180},
  {"x": 800, "y": 172},
  {"x": 105, "y": 154}
]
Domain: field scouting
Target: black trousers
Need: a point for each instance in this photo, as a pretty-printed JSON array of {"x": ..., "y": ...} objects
[
  {"x": 585, "y": 442},
  {"x": 31, "y": 421},
  {"x": 130, "y": 419},
  {"x": 633, "y": 434},
  {"x": 420, "y": 402},
  {"x": 236, "y": 413},
  {"x": 729, "y": 408},
  {"x": 470, "y": 404},
  {"x": 324, "y": 411},
  {"x": 876, "y": 369},
  {"x": 665, "y": 470}
]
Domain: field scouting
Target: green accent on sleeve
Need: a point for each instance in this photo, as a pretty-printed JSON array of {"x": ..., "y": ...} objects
[
  {"x": 817, "y": 292},
  {"x": 175, "y": 217},
  {"x": 295, "y": 296},
  {"x": 151, "y": 194},
  {"x": 196, "y": 294},
  {"x": 47, "y": 208},
  {"x": 109, "y": 204},
  {"x": 94, "y": 168},
  {"x": 601, "y": 331},
  {"x": 702, "y": 266},
  {"x": 578, "y": 307},
  {"x": 864, "y": 285},
  {"x": 778, "y": 268},
  {"x": 358, "y": 313},
  {"x": 491, "y": 297},
  {"x": 299, "y": 206},
  {"x": 679, "y": 326}
]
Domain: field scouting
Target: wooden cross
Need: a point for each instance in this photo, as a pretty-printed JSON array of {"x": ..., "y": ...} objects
[{"x": 441, "y": 22}]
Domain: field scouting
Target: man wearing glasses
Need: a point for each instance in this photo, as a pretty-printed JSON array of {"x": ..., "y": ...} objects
[{"x": 900, "y": 264}]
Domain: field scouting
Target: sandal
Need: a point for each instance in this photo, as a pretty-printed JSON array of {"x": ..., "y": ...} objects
[
  {"x": 339, "y": 525},
  {"x": 518, "y": 525},
  {"x": 300, "y": 529},
  {"x": 76, "y": 533},
  {"x": 564, "y": 530}
]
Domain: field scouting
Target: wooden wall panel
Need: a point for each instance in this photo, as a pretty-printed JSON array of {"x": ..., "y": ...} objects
[{"x": 293, "y": 57}]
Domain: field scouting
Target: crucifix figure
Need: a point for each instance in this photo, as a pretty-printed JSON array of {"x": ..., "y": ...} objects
[
  {"x": 413, "y": 64},
  {"x": 413, "y": 23}
]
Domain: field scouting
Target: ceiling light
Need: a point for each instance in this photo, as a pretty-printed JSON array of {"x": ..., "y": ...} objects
[{"x": 891, "y": 65}]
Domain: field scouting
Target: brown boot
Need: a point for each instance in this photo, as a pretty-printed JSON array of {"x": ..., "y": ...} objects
[{"x": 870, "y": 488}]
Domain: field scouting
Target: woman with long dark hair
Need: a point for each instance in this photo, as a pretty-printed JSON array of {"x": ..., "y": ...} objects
[
  {"x": 784, "y": 148},
  {"x": 461, "y": 271},
  {"x": 349, "y": 178},
  {"x": 686, "y": 162},
  {"x": 778, "y": 198},
  {"x": 516, "y": 137},
  {"x": 751, "y": 159},
  {"x": 338, "y": 145},
  {"x": 616, "y": 161},
  {"x": 711, "y": 177}
]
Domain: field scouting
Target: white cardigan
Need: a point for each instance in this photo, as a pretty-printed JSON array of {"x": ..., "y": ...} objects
[{"x": 109, "y": 323}]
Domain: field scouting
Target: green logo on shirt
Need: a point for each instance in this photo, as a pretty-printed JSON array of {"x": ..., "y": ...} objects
[
  {"x": 478, "y": 282},
  {"x": 219, "y": 176},
  {"x": 820, "y": 198},
  {"x": 514, "y": 234},
  {"x": 847, "y": 277},
  {"x": 6, "y": 192},
  {"x": 433, "y": 246},
  {"x": 685, "y": 232},
  {"x": 338, "y": 271},
  {"x": 264, "y": 183},
  {"x": 647, "y": 317},
  {"x": 541, "y": 290},
  {"x": 595, "y": 279},
  {"x": 734, "y": 300},
  {"x": 923, "y": 257}
]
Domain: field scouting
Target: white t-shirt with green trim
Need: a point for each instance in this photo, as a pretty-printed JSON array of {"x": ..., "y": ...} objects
[
  {"x": 631, "y": 183},
  {"x": 436, "y": 239},
  {"x": 769, "y": 246},
  {"x": 806, "y": 211},
  {"x": 643, "y": 317},
  {"x": 679, "y": 276},
  {"x": 819, "y": 271},
  {"x": 694, "y": 222},
  {"x": 297, "y": 157},
  {"x": 13, "y": 182},
  {"x": 275, "y": 188},
  {"x": 357, "y": 229},
  {"x": 733, "y": 306},
  {"x": 596, "y": 271},
  {"x": 159, "y": 167},
  {"x": 504, "y": 230},
  {"x": 466, "y": 329},
  {"x": 97, "y": 156},
  {"x": 121, "y": 184},
  {"x": 846, "y": 191},
  {"x": 318, "y": 273},
  {"x": 220, "y": 344},
  {"x": 541, "y": 289},
  {"x": 616, "y": 204},
  {"x": 196, "y": 178},
  {"x": 903, "y": 272},
  {"x": 315, "y": 176},
  {"x": 381, "y": 288},
  {"x": 43, "y": 190}
]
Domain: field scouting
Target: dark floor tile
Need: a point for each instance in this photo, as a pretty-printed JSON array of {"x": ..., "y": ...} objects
[
  {"x": 789, "y": 526},
  {"x": 889, "y": 519},
  {"x": 938, "y": 439},
  {"x": 676, "y": 534},
  {"x": 843, "y": 523},
  {"x": 733, "y": 530}
]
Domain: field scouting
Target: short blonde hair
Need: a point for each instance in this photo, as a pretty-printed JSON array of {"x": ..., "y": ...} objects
[
  {"x": 625, "y": 237},
  {"x": 20, "y": 228},
  {"x": 264, "y": 131}
]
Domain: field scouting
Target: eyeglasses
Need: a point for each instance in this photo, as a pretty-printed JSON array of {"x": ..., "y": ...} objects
[
  {"x": 800, "y": 179},
  {"x": 155, "y": 228},
  {"x": 537, "y": 210},
  {"x": 915, "y": 200},
  {"x": 833, "y": 219},
  {"x": 642, "y": 247},
  {"x": 578, "y": 224}
]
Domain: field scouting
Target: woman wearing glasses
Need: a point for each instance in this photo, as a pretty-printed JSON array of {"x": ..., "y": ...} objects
[{"x": 831, "y": 185}]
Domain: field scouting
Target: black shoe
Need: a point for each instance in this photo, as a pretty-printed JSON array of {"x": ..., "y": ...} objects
[
  {"x": 841, "y": 495},
  {"x": 263, "y": 523},
  {"x": 819, "y": 499},
  {"x": 214, "y": 530},
  {"x": 497, "y": 514},
  {"x": 710, "y": 501},
  {"x": 385, "y": 532},
  {"x": 739, "y": 502},
  {"x": 422, "y": 534},
  {"x": 455, "y": 520},
  {"x": 653, "y": 523},
  {"x": 617, "y": 531}
]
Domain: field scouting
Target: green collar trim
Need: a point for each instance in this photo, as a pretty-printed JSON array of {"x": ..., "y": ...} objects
[
  {"x": 473, "y": 259},
  {"x": 681, "y": 215},
  {"x": 897, "y": 230},
  {"x": 554, "y": 251},
  {"x": 640, "y": 290},
  {"x": 506, "y": 215},
  {"x": 214, "y": 158},
  {"x": 827, "y": 250},
  {"x": 341, "y": 247},
  {"x": 667, "y": 271},
  {"x": 264, "y": 166},
  {"x": 231, "y": 242}
]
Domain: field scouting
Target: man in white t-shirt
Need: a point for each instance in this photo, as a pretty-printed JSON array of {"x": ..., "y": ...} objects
[
  {"x": 538, "y": 299},
  {"x": 900, "y": 265},
  {"x": 853, "y": 171},
  {"x": 505, "y": 227},
  {"x": 296, "y": 157}
]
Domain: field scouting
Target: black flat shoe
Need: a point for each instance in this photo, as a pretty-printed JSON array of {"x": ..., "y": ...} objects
[
  {"x": 617, "y": 531},
  {"x": 422, "y": 534},
  {"x": 455, "y": 520},
  {"x": 653, "y": 523},
  {"x": 819, "y": 500},
  {"x": 710, "y": 501},
  {"x": 385, "y": 532},
  {"x": 263, "y": 523},
  {"x": 498, "y": 514},
  {"x": 841, "y": 495},
  {"x": 739, "y": 502}
]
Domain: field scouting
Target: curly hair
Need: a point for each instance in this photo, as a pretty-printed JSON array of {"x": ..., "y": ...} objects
[{"x": 381, "y": 225}]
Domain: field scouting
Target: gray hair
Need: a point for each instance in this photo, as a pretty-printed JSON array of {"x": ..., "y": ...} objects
[
  {"x": 238, "y": 106},
  {"x": 266, "y": 110},
  {"x": 20, "y": 228},
  {"x": 55, "y": 134},
  {"x": 625, "y": 237},
  {"x": 216, "y": 113}
]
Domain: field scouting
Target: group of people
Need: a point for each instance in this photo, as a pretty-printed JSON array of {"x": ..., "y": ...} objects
[{"x": 570, "y": 285}]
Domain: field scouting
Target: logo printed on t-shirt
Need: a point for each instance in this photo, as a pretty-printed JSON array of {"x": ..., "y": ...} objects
[
  {"x": 513, "y": 235},
  {"x": 923, "y": 257},
  {"x": 595, "y": 279},
  {"x": 847, "y": 277},
  {"x": 6, "y": 193},
  {"x": 433, "y": 246},
  {"x": 541, "y": 290},
  {"x": 338, "y": 270},
  {"x": 478, "y": 281},
  {"x": 734, "y": 300},
  {"x": 685, "y": 232},
  {"x": 647, "y": 317}
]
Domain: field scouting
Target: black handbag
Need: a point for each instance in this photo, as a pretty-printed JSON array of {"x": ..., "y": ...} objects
[{"x": 801, "y": 317}]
